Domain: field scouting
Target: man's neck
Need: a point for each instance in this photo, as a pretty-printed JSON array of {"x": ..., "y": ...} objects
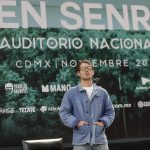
[{"x": 87, "y": 83}]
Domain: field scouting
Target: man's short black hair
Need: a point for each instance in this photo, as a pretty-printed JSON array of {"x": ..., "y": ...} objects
[{"x": 83, "y": 61}]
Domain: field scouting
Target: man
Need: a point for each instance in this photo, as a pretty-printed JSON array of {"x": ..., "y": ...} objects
[{"x": 87, "y": 109}]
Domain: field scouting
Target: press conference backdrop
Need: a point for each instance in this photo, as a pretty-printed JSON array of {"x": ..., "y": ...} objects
[{"x": 40, "y": 45}]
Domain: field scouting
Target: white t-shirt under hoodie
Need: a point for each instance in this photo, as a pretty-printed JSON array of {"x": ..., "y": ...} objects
[{"x": 89, "y": 91}]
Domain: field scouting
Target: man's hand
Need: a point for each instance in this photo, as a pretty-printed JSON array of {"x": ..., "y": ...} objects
[
  {"x": 99, "y": 124},
  {"x": 82, "y": 123}
]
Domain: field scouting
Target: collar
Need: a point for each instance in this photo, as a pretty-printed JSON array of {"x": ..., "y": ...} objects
[
  {"x": 96, "y": 89},
  {"x": 80, "y": 87}
]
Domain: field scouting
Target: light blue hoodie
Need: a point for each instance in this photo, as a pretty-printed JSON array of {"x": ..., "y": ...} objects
[{"x": 76, "y": 107}]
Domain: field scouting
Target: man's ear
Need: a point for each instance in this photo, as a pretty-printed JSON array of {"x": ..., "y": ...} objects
[
  {"x": 78, "y": 74},
  {"x": 93, "y": 72}
]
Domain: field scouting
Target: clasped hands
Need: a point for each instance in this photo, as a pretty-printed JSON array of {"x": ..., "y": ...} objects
[{"x": 82, "y": 123}]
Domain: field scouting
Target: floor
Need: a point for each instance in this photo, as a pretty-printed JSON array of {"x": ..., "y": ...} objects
[{"x": 113, "y": 145}]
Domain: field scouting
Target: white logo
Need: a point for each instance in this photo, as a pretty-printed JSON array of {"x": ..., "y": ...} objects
[
  {"x": 143, "y": 104},
  {"x": 43, "y": 109},
  {"x": 45, "y": 89},
  {"x": 140, "y": 104},
  {"x": 145, "y": 80},
  {"x": 55, "y": 88},
  {"x": 9, "y": 87},
  {"x": 7, "y": 110},
  {"x": 144, "y": 86},
  {"x": 49, "y": 109},
  {"x": 30, "y": 109},
  {"x": 16, "y": 88}
]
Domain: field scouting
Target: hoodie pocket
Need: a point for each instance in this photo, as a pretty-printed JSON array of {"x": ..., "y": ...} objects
[
  {"x": 99, "y": 130},
  {"x": 80, "y": 134},
  {"x": 83, "y": 129}
]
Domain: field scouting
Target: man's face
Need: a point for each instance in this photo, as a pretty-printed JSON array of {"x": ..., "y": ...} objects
[{"x": 86, "y": 71}]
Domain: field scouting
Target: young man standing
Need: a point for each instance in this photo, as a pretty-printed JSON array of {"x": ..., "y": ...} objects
[{"x": 87, "y": 109}]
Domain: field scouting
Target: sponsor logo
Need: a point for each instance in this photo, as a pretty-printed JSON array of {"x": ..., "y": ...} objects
[
  {"x": 16, "y": 88},
  {"x": 55, "y": 88},
  {"x": 142, "y": 104},
  {"x": 43, "y": 109},
  {"x": 122, "y": 105},
  {"x": 49, "y": 109},
  {"x": 145, "y": 84},
  {"x": 7, "y": 110},
  {"x": 30, "y": 109},
  {"x": 145, "y": 80}
]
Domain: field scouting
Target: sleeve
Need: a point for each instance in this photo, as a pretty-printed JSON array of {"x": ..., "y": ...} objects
[
  {"x": 65, "y": 112},
  {"x": 109, "y": 112}
]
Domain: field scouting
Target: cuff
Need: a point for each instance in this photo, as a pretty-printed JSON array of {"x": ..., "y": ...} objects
[
  {"x": 104, "y": 121},
  {"x": 76, "y": 121}
]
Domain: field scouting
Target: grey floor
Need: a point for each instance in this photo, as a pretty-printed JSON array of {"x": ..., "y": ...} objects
[{"x": 128, "y": 144}]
